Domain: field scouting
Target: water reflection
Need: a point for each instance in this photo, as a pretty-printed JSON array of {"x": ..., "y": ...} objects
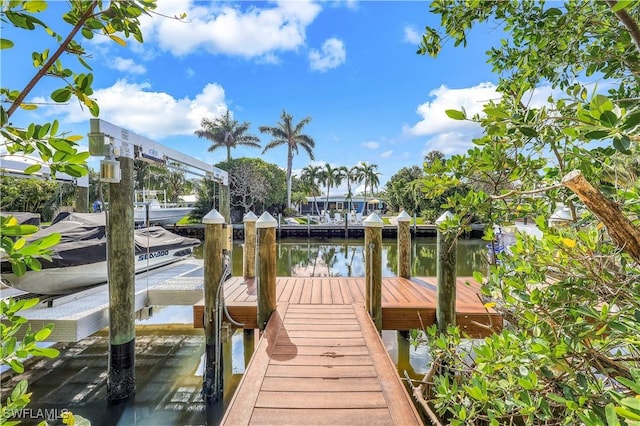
[{"x": 345, "y": 258}]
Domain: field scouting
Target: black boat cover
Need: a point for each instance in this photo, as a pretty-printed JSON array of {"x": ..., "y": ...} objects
[{"x": 83, "y": 240}]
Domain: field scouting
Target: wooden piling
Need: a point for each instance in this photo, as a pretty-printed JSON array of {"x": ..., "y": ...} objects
[
  {"x": 121, "y": 383},
  {"x": 266, "y": 273},
  {"x": 249, "y": 249},
  {"x": 446, "y": 276},
  {"x": 404, "y": 245},
  {"x": 249, "y": 344},
  {"x": 225, "y": 210},
  {"x": 214, "y": 244},
  {"x": 373, "y": 267}
]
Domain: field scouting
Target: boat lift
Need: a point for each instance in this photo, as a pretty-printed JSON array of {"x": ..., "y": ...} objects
[
  {"x": 120, "y": 147},
  {"x": 111, "y": 141}
]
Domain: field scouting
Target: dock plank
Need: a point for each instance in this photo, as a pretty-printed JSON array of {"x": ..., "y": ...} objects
[{"x": 312, "y": 376}]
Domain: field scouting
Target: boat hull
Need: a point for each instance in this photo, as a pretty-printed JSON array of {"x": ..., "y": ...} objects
[
  {"x": 161, "y": 215},
  {"x": 73, "y": 278}
]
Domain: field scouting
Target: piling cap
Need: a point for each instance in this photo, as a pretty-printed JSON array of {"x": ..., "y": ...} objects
[
  {"x": 403, "y": 217},
  {"x": 213, "y": 217},
  {"x": 250, "y": 217},
  {"x": 445, "y": 216},
  {"x": 266, "y": 221},
  {"x": 373, "y": 221}
]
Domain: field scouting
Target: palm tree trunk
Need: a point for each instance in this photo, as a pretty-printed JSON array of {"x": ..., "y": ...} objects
[
  {"x": 289, "y": 167},
  {"x": 228, "y": 153}
]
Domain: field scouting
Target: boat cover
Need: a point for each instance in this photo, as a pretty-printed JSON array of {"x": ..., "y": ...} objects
[
  {"x": 84, "y": 240},
  {"x": 24, "y": 218}
]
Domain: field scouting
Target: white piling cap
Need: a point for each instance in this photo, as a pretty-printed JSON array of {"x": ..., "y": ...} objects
[
  {"x": 266, "y": 221},
  {"x": 403, "y": 217},
  {"x": 250, "y": 217},
  {"x": 446, "y": 215},
  {"x": 373, "y": 221},
  {"x": 213, "y": 217}
]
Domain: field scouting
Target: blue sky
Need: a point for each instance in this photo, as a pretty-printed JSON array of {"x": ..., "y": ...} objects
[{"x": 350, "y": 65}]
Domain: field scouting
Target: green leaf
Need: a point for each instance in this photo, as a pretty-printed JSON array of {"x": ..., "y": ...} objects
[
  {"x": 61, "y": 95},
  {"x": 19, "y": 230},
  {"x": 612, "y": 417},
  {"x": 118, "y": 40},
  {"x": 600, "y": 103},
  {"x": 608, "y": 119},
  {"x": 622, "y": 143},
  {"x": 46, "y": 352},
  {"x": 35, "y": 6},
  {"x": 496, "y": 112},
  {"x": 62, "y": 145},
  {"x": 32, "y": 169},
  {"x": 596, "y": 134},
  {"x": 622, "y": 4},
  {"x": 19, "y": 390},
  {"x": 528, "y": 131},
  {"x": 631, "y": 121},
  {"x": 455, "y": 114},
  {"x": 5, "y": 43}
]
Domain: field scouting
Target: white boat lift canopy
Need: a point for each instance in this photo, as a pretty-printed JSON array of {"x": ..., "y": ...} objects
[{"x": 106, "y": 139}]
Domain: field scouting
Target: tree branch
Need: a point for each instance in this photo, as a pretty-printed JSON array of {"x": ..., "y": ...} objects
[
  {"x": 628, "y": 22},
  {"x": 620, "y": 228},
  {"x": 516, "y": 192},
  {"x": 43, "y": 70}
]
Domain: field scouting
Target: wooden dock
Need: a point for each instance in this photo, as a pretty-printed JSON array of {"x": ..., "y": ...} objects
[
  {"x": 321, "y": 364},
  {"x": 406, "y": 303}
]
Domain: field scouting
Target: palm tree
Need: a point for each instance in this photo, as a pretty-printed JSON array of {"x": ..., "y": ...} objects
[
  {"x": 310, "y": 177},
  {"x": 226, "y": 132},
  {"x": 285, "y": 133},
  {"x": 330, "y": 177},
  {"x": 352, "y": 176},
  {"x": 368, "y": 173}
]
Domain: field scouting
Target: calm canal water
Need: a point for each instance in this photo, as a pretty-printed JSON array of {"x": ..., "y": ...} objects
[{"x": 169, "y": 360}]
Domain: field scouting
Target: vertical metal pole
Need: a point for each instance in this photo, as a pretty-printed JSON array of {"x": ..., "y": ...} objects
[
  {"x": 446, "y": 276},
  {"x": 404, "y": 245},
  {"x": 214, "y": 245},
  {"x": 266, "y": 272},
  {"x": 249, "y": 249},
  {"x": 373, "y": 267},
  {"x": 121, "y": 382},
  {"x": 82, "y": 199}
]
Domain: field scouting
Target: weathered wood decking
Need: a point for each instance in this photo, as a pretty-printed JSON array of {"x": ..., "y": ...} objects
[
  {"x": 320, "y": 364},
  {"x": 406, "y": 304}
]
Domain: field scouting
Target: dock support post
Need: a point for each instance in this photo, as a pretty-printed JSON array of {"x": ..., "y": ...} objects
[
  {"x": 249, "y": 252},
  {"x": 308, "y": 225},
  {"x": 225, "y": 210},
  {"x": 266, "y": 274},
  {"x": 214, "y": 246},
  {"x": 249, "y": 344},
  {"x": 373, "y": 267},
  {"x": 404, "y": 245},
  {"x": 121, "y": 380},
  {"x": 446, "y": 275}
]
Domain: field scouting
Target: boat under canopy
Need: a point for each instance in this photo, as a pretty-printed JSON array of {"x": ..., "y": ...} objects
[{"x": 79, "y": 260}]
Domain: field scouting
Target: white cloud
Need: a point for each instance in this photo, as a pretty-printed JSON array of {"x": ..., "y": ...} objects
[
  {"x": 434, "y": 120},
  {"x": 332, "y": 55},
  {"x": 411, "y": 35},
  {"x": 387, "y": 154},
  {"x": 370, "y": 145},
  {"x": 190, "y": 72},
  {"x": 451, "y": 143},
  {"x": 127, "y": 65},
  {"x": 250, "y": 32},
  {"x": 152, "y": 114}
]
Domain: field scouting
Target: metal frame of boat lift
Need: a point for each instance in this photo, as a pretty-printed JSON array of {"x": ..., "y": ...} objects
[{"x": 106, "y": 140}]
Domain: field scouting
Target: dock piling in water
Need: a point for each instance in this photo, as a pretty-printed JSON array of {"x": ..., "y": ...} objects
[
  {"x": 373, "y": 267},
  {"x": 266, "y": 264},
  {"x": 404, "y": 245},
  {"x": 214, "y": 273},
  {"x": 249, "y": 249},
  {"x": 446, "y": 276},
  {"x": 121, "y": 381}
]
